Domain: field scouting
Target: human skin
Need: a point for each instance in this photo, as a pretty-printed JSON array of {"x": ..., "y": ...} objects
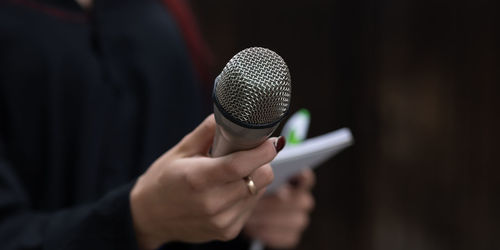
[
  {"x": 187, "y": 196},
  {"x": 266, "y": 223},
  {"x": 279, "y": 220}
]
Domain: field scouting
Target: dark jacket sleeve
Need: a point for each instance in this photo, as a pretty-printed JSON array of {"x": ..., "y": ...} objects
[{"x": 105, "y": 224}]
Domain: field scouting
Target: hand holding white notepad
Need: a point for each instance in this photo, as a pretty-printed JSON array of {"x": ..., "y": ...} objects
[{"x": 308, "y": 154}]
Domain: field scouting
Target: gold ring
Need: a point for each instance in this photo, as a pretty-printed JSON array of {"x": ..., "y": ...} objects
[{"x": 250, "y": 184}]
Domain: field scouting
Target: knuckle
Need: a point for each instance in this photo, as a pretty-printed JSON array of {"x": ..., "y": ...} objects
[
  {"x": 194, "y": 182},
  {"x": 184, "y": 145},
  {"x": 164, "y": 178},
  {"x": 229, "y": 234},
  {"x": 231, "y": 167},
  {"x": 218, "y": 224},
  {"x": 209, "y": 121},
  {"x": 207, "y": 124},
  {"x": 210, "y": 208}
]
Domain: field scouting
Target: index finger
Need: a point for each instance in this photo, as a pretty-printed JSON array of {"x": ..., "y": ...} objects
[{"x": 240, "y": 164}]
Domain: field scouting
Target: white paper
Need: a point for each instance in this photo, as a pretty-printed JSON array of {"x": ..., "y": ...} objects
[{"x": 308, "y": 154}]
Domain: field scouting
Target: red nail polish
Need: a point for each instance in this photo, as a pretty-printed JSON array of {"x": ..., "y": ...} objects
[{"x": 279, "y": 144}]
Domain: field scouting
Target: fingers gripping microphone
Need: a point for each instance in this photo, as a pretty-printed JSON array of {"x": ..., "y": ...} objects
[{"x": 251, "y": 96}]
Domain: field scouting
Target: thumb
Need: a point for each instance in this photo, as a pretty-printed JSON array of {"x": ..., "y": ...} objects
[{"x": 199, "y": 141}]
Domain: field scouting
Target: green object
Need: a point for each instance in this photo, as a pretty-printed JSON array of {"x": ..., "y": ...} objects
[
  {"x": 305, "y": 112},
  {"x": 292, "y": 138},
  {"x": 296, "y": 128}
]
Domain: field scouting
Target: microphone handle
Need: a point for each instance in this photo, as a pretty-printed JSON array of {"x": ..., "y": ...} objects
[
  {"x": 225, "y": 144},
  {"x": 231, "y": 137}
]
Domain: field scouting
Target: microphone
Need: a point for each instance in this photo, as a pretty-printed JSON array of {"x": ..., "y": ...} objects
[{"x": 251, "y": 96}]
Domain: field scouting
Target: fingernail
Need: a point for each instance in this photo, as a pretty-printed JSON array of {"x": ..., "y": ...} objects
[{"x": 279, "y": 144}]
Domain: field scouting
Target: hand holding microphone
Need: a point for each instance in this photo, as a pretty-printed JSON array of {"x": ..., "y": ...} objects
[
  {"x": 186, "y": 195},
  {"x": 189, "y": 197}
]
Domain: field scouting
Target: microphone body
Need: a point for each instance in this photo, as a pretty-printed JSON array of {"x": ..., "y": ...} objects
[
  {"x": 230, "y": 137},
  {"x": 251, "y": 96}
]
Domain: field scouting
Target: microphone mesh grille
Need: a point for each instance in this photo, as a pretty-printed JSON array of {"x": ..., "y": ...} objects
[{"x": 255, "y": 86}]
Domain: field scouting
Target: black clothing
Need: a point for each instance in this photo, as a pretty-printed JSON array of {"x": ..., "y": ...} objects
[{"x": 87, "y": 102}]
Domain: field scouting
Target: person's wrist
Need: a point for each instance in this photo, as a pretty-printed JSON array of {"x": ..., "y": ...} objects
[{"x": 145, "y": 239}]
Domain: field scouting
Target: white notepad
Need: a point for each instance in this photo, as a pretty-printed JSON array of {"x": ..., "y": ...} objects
[{"x": 308, "y": 154}]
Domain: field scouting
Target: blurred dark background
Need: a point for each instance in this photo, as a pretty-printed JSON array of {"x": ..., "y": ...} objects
[{"x": 417, "y": 82}]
